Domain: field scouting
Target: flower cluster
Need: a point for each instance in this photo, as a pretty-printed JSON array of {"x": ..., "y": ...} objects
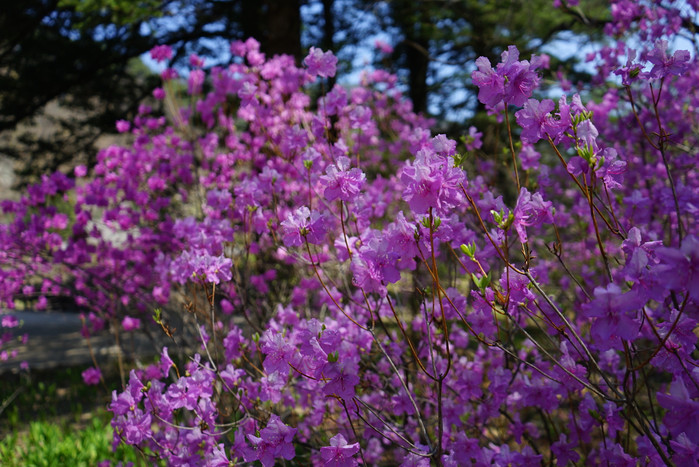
[{"x": 355, "y": 297}]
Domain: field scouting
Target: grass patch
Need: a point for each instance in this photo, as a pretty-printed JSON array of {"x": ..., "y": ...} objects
[
  {"x": 51, "y": 418},
  {"x": 48, "y": 443}
]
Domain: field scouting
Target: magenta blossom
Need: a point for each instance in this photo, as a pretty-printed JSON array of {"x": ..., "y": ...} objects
[
  {"x": 321, "y": 63},
  {"x": 274, "y": 441},
  {"x": 130, "y": 324},
  {"x": 302, "y": 225},
  {"x": 533, "y": 117},
  {"x": 342, "y": 182},
  {"x": 160, "y": 53},
  {"x": 92, "y": 376},
  {"x": 531, "y": 210},
  {"x": 664, "y": 64},
  {"x": 339, "y": 453}
]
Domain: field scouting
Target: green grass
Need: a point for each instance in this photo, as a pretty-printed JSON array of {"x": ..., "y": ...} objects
[
  {"x": 50, "y": 443},
  {"x": 51, "y": 418}
]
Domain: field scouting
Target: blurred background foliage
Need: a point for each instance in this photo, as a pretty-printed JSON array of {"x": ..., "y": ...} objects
[{"x": 70, "y": 68}]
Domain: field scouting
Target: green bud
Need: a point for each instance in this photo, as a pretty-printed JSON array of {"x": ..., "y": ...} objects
[
  {"x": 333, "y": 356},
  {"x": 308, "y": 164},
  {"x": 256, "y": 338},
  {"x": 469, "y": 250},
  {"x": 437, "y": 222},
  {"x": 497, "y": 216}
]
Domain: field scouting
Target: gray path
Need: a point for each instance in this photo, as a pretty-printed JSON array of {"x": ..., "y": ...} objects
[{"x": 55, "y": 341}]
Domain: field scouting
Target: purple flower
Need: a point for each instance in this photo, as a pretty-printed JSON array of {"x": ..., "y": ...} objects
[
  {"x": 685, "y": 259},
  {"x": 529, "y": 157},
  {"x": 130, "y": 324},
  {"x": 611, "y": 308},
  {"x": 531, "y": 210},
  {"x": 632, "y": 71},
  {"x": 512, "y": 81},
  {"x": 274, "y": 441},
  {"x": 92, "y": 376},
  {"x": 473, "y": 139},
  {"x": 201, "y": 264},
  {"x": 136, "y": 427},
  {"x": 686, "y": 451},
  {"x": 160, "y": 53},
  {"x": 195, "y": 82},
  {"x": 682, "y": 411},
  {"x": 664, "y": 65},
  {"x": 9, "y": 321},
  {"x": 279, "y": 353},
  {"x": 123, "y": 126},
  {"x": 520, "y": 77},
  {"x": 321, "y": 63},
  {"x": 303, "y": 224},
  {"x": 533, "y": 117},
  {"x": 339, "y": 453},
  {"x": 341, "y": 380},
  {"x": 342, "y": 183},
  {"x": 491, "y": 86},
  {"x": 432, "y": 181},
  {"x": 375, "y": 266}
]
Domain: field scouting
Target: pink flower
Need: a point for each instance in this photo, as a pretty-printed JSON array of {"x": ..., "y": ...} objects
[
  {"x": 342, "y": 182},
  {"x": 130, "y": 324},
  {"x": 303, "y": 224},
  {"x": 339, "y": 453},
  {"x": 382, "y": 46},
  {"x": 123, "y": 126},
  {"x": 160, "y": 53},
  {"x": 9, "y": 321},
  {"x": 531, "y": 210},
  {"x": 321, "y": 63},
  {"x": 92, "y": 376}
]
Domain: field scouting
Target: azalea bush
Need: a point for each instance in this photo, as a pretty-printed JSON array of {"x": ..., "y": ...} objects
[{"x": 350, "y": 288}]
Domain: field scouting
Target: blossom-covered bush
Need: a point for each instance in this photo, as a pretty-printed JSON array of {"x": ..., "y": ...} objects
[{"x": 360, "y": 291}]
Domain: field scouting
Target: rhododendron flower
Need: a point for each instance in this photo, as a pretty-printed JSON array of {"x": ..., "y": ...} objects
[
  {"x": 9, "y": 321},
  {"x": 130, "y": 324},
  {"x": 160, "y": 53},
  {"x": 301, "y": 225},
  {"x": 339, "y": 453},
  {"x": 321, "y": 63},
  {"x": 490, "y": 84},
  {"x": 520, "y": 77},
  {"x": 685, "y": 259},
  {"x": 473, "y": 139},
  {"x": 533, "y": 117},
  {"x": 92, "y": 376},
  {"x": 274, "y": 441},
  {"x": 123, "y": 126},
  {"x": 531, "y": 210},
  {"x": 612, "y": 310},
  {"x": 375, "y": 266},
  {"x": 432, "y": 181},
  {"x": 342, "y": 182},
  {"x": 682, "y": 411},
  {"x": 664, "y": 64},
  {"x": 198, "y": 263},
  {"x": 195, "y": 82},
  {"x": 512, "y": 81},
  {"x": 384, "y": 47},
  {"x": 342, "y": 379}
]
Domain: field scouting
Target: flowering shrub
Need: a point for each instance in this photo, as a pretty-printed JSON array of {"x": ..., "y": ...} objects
[{"x": 358, "y": 296}]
